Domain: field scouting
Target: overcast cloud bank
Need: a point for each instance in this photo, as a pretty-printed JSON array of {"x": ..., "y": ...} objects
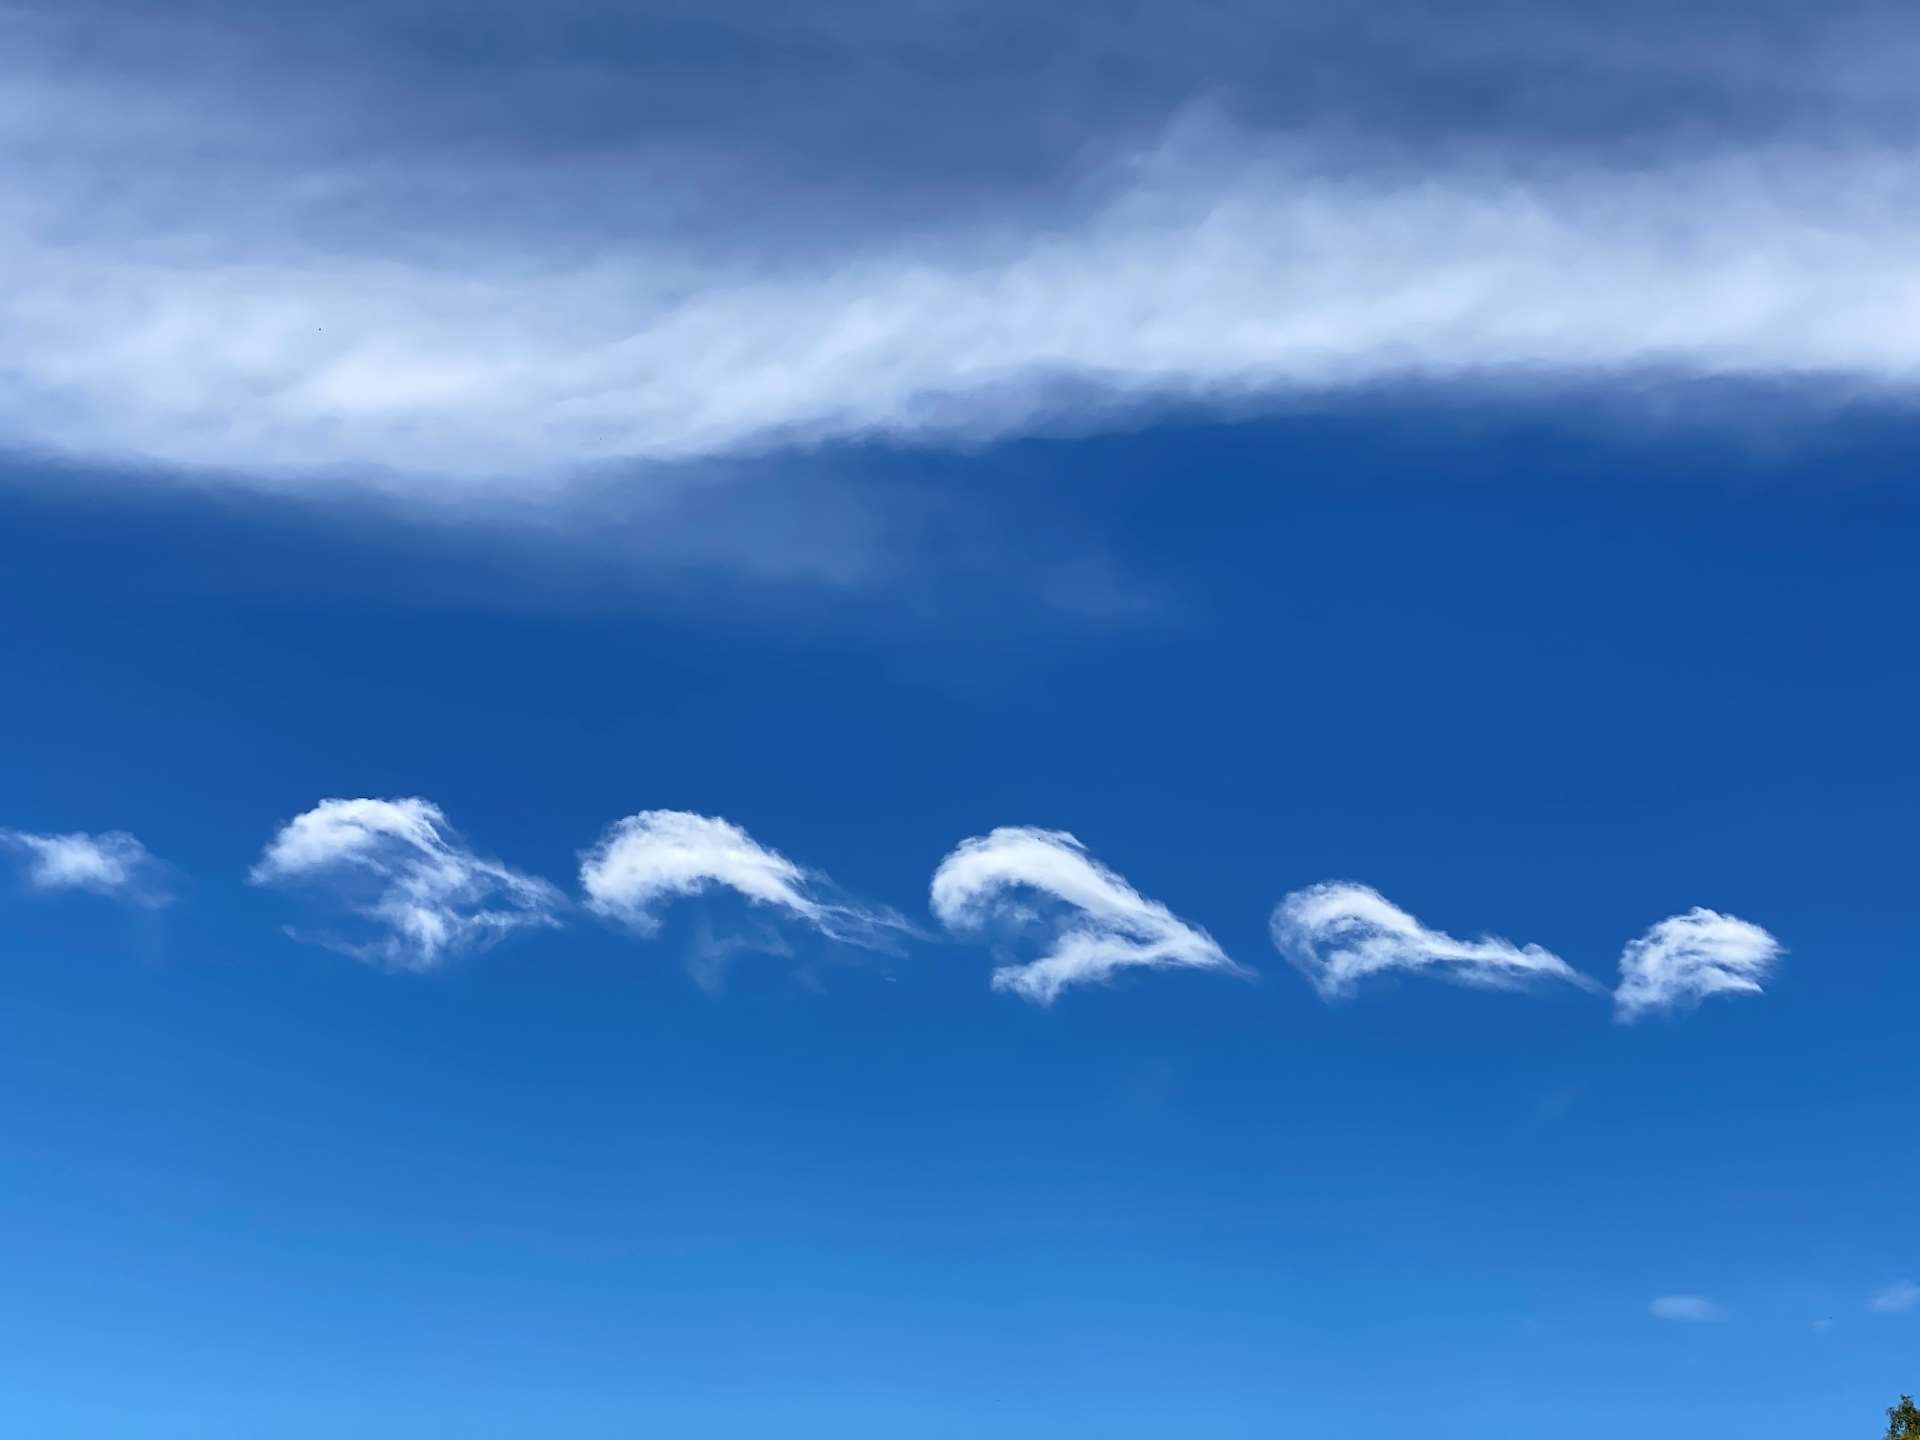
[{"x": 295, "y": 277}]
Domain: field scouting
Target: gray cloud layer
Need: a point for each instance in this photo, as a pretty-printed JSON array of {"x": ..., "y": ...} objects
[{"x": 288, "y": 260}]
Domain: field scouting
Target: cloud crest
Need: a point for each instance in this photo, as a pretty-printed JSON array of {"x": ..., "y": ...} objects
[
  {"x": 1339, "y": 934},
  {"x": 648, "y": 860},
  {"x": 1686, "y": 958},
  {"x": 399, "y": 866},
  {"x": 1688, "y": 1309},
  {"x": 1109, "y": 926},
  {"x": 112, "y": 863}
]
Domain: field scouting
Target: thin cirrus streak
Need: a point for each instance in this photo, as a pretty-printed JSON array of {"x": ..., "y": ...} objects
[
  {"x": 647, "y": 860},
  {"x": 1687, "y": 1309},
  {"x": 111, "y": 863},
  {"x": 1339, "y": 934},
  {"x": 399, "y": 868},
  {"x": 1687, "y": 958},
  {"x": 1107, "y": 927}
]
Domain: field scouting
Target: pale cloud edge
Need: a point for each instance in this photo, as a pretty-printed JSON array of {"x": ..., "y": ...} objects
[
  {"x": 650, "y": 859},
  {"x": 1896, "y": 1299},
  {"x": 1109, "y": 927},
  {"x": 1341, "y": 933},
  {"x": 399, "y": 866},
  {"x": 1689, "y": 1309},
  {"x": 1687, "y": 958},
  {"x": 111, "y": 863}
]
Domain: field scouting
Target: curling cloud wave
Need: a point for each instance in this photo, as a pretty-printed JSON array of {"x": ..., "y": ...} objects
[
  {"x": 1107, "y": 926},
  {"x": 1340, "y": 934},
  {"x": 1686, "y": 958},
  {"x": 646, "y": 861},
  {"x": 416, "y": 893}
]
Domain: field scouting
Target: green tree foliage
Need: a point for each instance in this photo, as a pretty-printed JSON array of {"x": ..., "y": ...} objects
[{"x": 1903, "y": 1420}]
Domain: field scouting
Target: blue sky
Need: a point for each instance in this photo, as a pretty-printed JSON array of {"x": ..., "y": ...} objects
[{"x": 673, "y": 479}]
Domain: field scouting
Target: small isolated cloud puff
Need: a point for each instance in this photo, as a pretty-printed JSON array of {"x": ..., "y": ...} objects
[
  {"x": 1339, "y": 933},
  {"x": 399, "y": 865},
  {"x": 1691, "y": 1309},
  {"x": 114, "y": 864},
  {"x": 650, "y": 859},
  {"x": 1113, "y": 928},
  {"x": 1896, "y": 1298},
  {"x": 1686, "y": 958}
]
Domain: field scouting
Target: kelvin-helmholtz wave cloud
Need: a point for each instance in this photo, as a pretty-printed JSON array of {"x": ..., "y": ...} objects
[
  {"x": 1341, "y": 934},
  {"x": 1686, "y": 958},
  {"x": 254, "y": 243},
  {"x": 646, "y": 861},
  {"x": 404, "y": 890},
  {"x": 1024, "y": 881}
]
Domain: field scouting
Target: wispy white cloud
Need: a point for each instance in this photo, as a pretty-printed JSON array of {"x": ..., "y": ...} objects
[
  {"x": 1340, "y": 933},
  {"x": 646, "y": 861},
  {"x": 1108, "y": 925},
  {"x": 113, "y": 863},
  {"x": 168, "y": 300},
  {"x": 1901, "y": 1296},
  {"x": 1686, "y": 958},
  {"x": 711, "y": 956},
  {"x": 1691, "y": 1309},
  {"x": 398, "y": 865}
]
